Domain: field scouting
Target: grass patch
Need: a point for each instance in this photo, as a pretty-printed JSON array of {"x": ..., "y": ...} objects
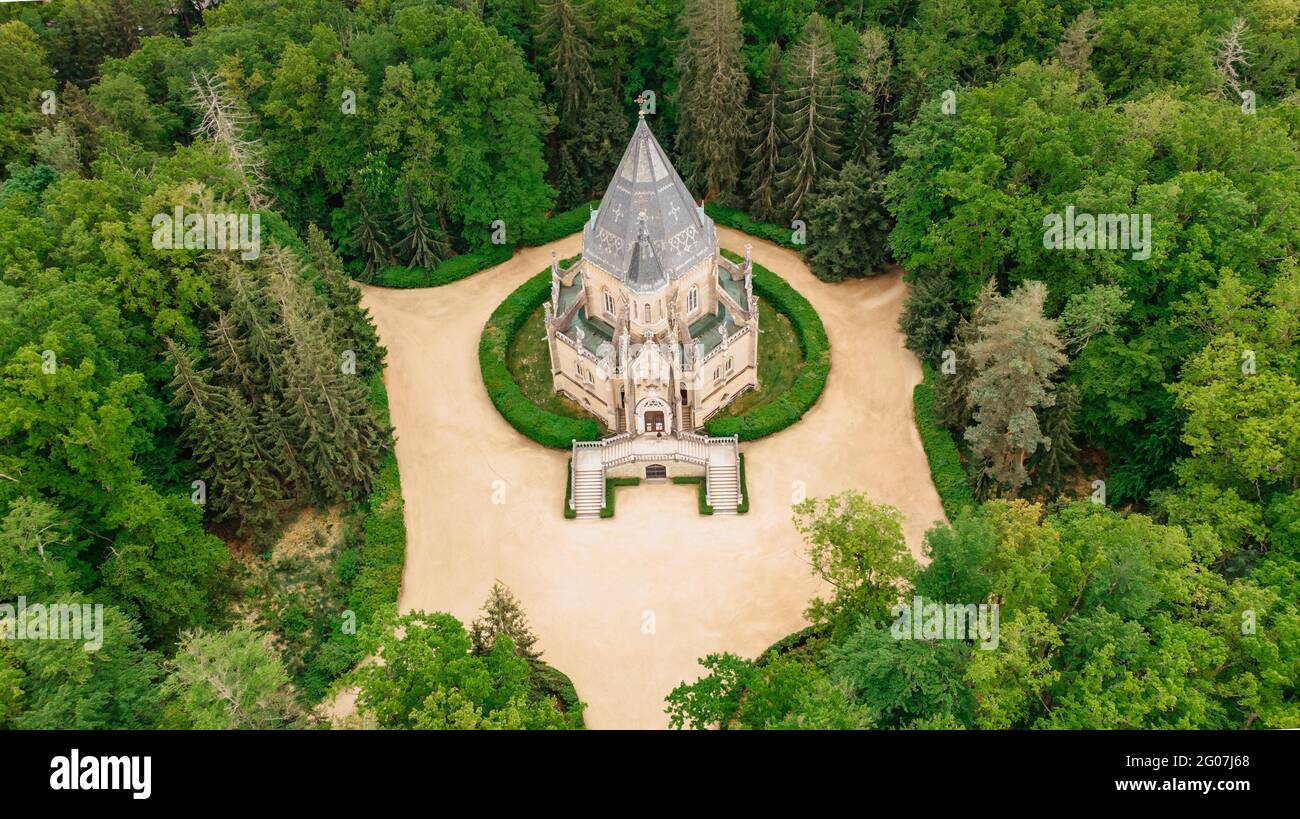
[
  {"x": 779, "y": 362},
  {"x": 529, "y": 363},
  {"x": 809, "y": 381},
  {"x": 543, "y": 426}
]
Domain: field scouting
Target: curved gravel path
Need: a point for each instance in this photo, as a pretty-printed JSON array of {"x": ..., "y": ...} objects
[{"x": 626, "y": 606}]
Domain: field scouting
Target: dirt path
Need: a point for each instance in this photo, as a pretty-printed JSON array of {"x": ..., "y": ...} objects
[{"x": 626, "y": 606}]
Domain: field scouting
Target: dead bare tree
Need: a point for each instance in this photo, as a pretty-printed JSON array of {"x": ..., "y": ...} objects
[
  {"x": 224, "y": 120},
  {"x": 1231, "y": 58}
]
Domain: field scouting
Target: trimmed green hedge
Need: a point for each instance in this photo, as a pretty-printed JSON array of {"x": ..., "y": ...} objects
[
  {"x": 705, "y": 509},
  {"x": 739, "y": 220},
  {"x": 790, "y": 406},
  {"x": 559, "y": 225},
  {"x": 544, "y": 427},
  {"x": 467, "y": 264},
  {"x": 610, "y": 483},
  {"x": 946, "y": 469},
  {"x": 447, "y": 271},
  {"x": 743, "y": 506},
  {"x": 569, "y": 512}
]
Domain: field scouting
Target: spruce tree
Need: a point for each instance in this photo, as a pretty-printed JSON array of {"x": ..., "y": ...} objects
[
  {"x": 564, "y": 55},
  {"x": 370, "y": 240},
  {"x": 928, "y": 314},
  {"x": 952, "y": 392},
  {"x": 1060, "y": 454},
  {"x": 422, "y": 244},
  {"x": 711, "y": 96},
  {"x": 220, "y": 430},
  {"x": 336, "y": 435},
  {"x": 768, "y": 141},
  {"x": 350, "y": 322},
  {"x": 849, "y": 223},
  {"x": 1015, "y": 357},
  {"x": 502, "y": 614},
  {"x": 809, "y": 117}
]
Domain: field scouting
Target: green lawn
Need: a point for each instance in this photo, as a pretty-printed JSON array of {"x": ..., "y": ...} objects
[
  {"x": 779, "y": 360},
  {"x": 530, "y": 366}
]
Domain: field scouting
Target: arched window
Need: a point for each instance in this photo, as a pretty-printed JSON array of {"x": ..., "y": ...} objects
[
  {"x": 609, "y": 303},
  {"x": 692, "y": 299},
  {"x": 647, "y": 313},
  {"x": 729, "y": 366}
]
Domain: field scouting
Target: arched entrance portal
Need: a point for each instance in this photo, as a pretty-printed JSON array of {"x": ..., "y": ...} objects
[{"x": 654, "y": 416}]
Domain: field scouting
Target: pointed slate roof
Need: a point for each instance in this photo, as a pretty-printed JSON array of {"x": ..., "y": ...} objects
[{"x": 648, "y": 229}]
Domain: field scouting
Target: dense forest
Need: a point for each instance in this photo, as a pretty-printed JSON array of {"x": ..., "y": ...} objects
[{"x": 168, "y": 413}]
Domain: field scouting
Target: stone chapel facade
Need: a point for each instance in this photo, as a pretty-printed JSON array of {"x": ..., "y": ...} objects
[{"x": 653, "y": 330}]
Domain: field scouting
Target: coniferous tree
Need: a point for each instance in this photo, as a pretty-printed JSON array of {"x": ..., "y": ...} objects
[
  {"x": 350, "y": 324},
  {"x": 809, "y": 116},
  {"x": 1060, "y": 455},
  {"x": 335, "y": 433},
  {"x": 711, "y": 96},
  {"x": 952, "y": 390},
  {"x": 929, "y": 314},
  {"x": 564, "y": 53},
  {"x": 848, "y": 223},
  {"x": 220, "y": 429},
  {"x": 768, "y": 141},
  {"x": 502, "y": 614},
  {"x": 421, "y": 244},
  {"x": 1075, "y": 48},
  {"x": 1015, "y": 358},
  {"x": 371, "y": 240}
]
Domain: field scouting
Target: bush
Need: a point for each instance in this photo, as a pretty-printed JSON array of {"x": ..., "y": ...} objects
[
  {"x": 544, "y": 427},
  {"x": 569, "y": 512},
  {"x": 946, "y": 469},
  {"x": 789, "y": 407},
  {"x": 743, "y": 506},
  {"x": 467, "y": 264},
  {"x": 739, "y": 220}
]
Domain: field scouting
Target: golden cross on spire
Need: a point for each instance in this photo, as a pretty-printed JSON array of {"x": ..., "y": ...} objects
[{"x": 640, "y": 105}]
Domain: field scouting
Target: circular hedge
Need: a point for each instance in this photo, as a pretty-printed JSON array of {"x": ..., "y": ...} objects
[
  {"x": 558, "y": 431},
  {"x": 544, "y": 427},
  {"x": 785, "y": 409}
]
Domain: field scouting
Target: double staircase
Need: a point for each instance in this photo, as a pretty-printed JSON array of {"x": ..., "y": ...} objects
[{"x": 719, "y": 458}]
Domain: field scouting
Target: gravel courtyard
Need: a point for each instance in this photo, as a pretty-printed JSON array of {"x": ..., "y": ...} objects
[{"x": 626, "y": 606}]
